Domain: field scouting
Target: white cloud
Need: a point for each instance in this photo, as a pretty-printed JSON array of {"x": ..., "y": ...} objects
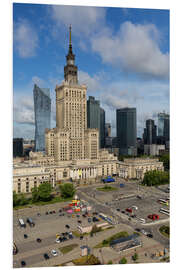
[
  {"x": 135, "y": 48},
  {"x": 37, "y": 80},
  {"x": 93, "y": 82},
  {"x": 84, "y": 20},
  {"x": 23, "y": 111},
  {"x": 25, "y": 39}
]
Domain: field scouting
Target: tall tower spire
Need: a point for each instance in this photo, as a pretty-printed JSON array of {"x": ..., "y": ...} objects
[{"x": 70, "y": 70}]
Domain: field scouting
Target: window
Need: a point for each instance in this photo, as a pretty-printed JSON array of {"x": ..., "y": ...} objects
[
  {"x": 19, "y": 187},
  {"x": 27, "y": 186}
]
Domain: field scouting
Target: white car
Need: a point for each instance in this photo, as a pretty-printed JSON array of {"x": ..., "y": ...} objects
[
  {"x": 134, "y": 207},
  {"x": 54, "y": 252},
  {"x": 58, "y": 241}
]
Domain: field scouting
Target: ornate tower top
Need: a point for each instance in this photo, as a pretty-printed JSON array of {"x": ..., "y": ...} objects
[{"x": 70, "y": 70}]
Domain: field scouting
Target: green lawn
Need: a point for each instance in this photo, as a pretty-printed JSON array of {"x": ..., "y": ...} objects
[
  {"x": 52, "y": 201},
  {"x": 164, "y": 230},
  {"x": 68, "y": 248},
  {"x": 107, "y": 188},
  {"x": 106, "y": 242}
]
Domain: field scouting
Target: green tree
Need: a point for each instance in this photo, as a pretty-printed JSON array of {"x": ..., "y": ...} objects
[
  {"x": 154, "y": 178},
  {"x": 123, "y": 261},
  {"x": 22, "y": 199},
  {"x": 135, "y": 257},
  {"x": 44, "y": 191},
  {"x": 165, "y": 160},
  {"x": 110, "y": 262},
  {"x": 105, "y": 242},
  {"x": 67, "y": 190},
  {"x": 35, "y": 194},
  {"x": 15, "y": 198}
]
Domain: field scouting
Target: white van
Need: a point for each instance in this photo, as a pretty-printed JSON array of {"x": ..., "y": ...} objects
[{"x": 21, "y": 222}]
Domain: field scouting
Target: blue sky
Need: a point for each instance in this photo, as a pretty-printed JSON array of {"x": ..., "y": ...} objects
[{"x": 122, "y": 55}]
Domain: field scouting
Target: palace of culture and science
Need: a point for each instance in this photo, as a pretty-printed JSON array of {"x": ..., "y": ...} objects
[{"x": 72, "y": 150}]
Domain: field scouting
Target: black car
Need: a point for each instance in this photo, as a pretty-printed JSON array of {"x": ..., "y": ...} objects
[
  {"x": 71, "y": 236},
  {"x": 46, "y": 256},
  {"x": 95, "y": 219},
  {"x": 60, "y": 210},
  {"x": 38, "y": 240},
  {"x": 118, "y": 209},
  {"x": 84, "y": 215},
  {"x": 47, "y": 213},
  {"x": 67, "y": 226},
  {"x": 79, "y": 221},
  {"x": 51, "y": 212},
  {"x": 137, "y": 230},
  {"x": 23, "y": 263},
  {"x": 123, "y": 212},
  {"x": 25, "y": 236},
  {"x": 150, "y": 235},
  {"x": 81, "y": 237},
  {"x": 77, "y": 216},
  {"x": 64, "y": 238}
]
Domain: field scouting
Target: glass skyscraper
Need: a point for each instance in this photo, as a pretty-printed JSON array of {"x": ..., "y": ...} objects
[
  {"x": 126, "y": 131},
  {"x": 42, "y": 110},
  {"x": 102, "y": 128},
  {"x": 163, "y": 125},
  {"x": 150, "y": 133}
]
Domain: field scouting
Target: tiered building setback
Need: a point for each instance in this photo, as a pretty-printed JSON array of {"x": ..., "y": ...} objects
[{"x": 71, "y": 140}]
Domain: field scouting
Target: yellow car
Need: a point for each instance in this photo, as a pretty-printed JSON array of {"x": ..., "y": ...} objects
[{"x": 57, "y": 235}]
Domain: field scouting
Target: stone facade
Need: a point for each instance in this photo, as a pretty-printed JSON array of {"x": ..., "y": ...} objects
[{"x": 136, "y": 167}]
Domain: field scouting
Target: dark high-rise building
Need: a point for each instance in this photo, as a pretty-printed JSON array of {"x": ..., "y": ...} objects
[
  {"x": 150, "y": 132},
  {"x": 42, "y": 110},
  {"x": 163, "y": 126},
  {"x": 107, "y": 130},
  {"x": 102, "y": 128},
  {"x": 17, "y": 147},
  {"x": 93, "y": 113},
  {"x": 126, "y": 131}
]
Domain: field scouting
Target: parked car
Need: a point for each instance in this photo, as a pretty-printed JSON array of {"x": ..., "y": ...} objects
[
  {"x": 89, "y": 220},
  {"x": 60, "y": 210},
  {"x": 47, "y": 213},
  {"x": 134, "y": 207},
  {"x": 150, "y": 235},
  {"x": 30, "y": 222},
  {"x": 46, "y": 256},
  {"x": 139, "y": 196},
  {"x": 23, "y": 263},
  {"x": 64, "y": 238},
  {"x": 79, "y": 221},
  {"x": 81, "y": 237},
  {"x": 38, "y": 214},
  {"x": 58, "y": 240},
  {"x": 137, "y": 230},
  {"x": 25, "y": 236},
  {"x": 38, "y": 240},
  {"x": 129, "y": 210},
  {"x": 123, "y": 212},
  {"x": 67, "y": 226},
  {"x": 118, "y": 209},
  {"x": 54, "y": 252},
  {"x": 53, "y": 211},
  {"x": 71, "y": 236}
]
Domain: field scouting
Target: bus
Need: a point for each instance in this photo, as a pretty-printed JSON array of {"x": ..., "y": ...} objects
[
  {"x": 164, "y": 211},
  {"x": 102, "y": 216},
  {"x": 162, "y": 201}
]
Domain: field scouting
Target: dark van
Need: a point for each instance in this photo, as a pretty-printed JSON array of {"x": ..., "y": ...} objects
[{"x": 31, "y": 223}]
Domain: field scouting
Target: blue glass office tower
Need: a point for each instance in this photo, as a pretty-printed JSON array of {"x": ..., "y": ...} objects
[{"x": 42, "y": 110}]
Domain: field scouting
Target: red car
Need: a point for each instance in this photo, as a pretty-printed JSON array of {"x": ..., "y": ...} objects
[
  {"x": 153, "y": 216},
  {"x": 129, "y": 210}
]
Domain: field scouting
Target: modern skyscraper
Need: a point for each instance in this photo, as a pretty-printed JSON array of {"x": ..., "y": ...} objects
[
  {"x": 108, "y": 130},
  {"x": 163, "y": 125},
  {"x": 17, "y": 147},
  {"x": 126, "y": 130},
  {"x": 93, "y": 113},
  {"x": 42, "y": 110},
  {"x": 150, "y": 132},
  {"x": 102, "y": 128}
]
